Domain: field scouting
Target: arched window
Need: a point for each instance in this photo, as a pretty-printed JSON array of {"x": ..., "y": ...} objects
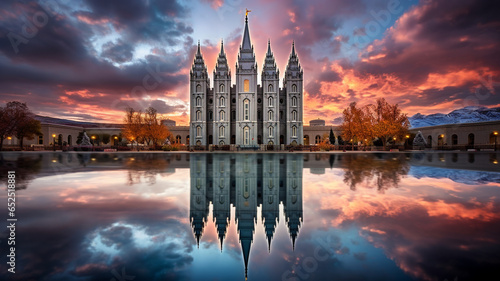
[
  {"x": 246, "y": 109},
  {"x": 222, "y": 115},
  {"x": 454, "y": 140},
  {"x": 69, "y": 140},
  {"x": 198, "y": 115},
  {"x": 198, "y": 88},
  {"x": 429, "y": 140},
  {"x": 222, "y": 101},
  {"x": 294, "y": 115},
  {"x": 271, "y": 129},
  {"x": 294, "y": 131},
  {"x": 221, "y": 131},
  {"x": 246, "y": 85},
  {"x": 317, "y": 139},
  {"x": 178, "y": 139},
  {"x": 198, "y": 101},
  {"x": 441, "y": 139},
  {"x": 270, "y": 115},
  {"x": 210, "y": 115},
  {"x": 271, "y": 101},
  {"x": 294, "y": 101},
  {"x": 471, "y": 139},
  {"x": 198, "y": 131},
  {"x": 294, "y": 88},
  {"x": 246, "y": 135},
  {"x": 40, "y": 139},
  {"x": 270, "y": 88},
  {"x": 221, "y": 88}
]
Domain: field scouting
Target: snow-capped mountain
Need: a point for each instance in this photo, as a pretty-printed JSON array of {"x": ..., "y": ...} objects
[{"x": 467, "y": 114}]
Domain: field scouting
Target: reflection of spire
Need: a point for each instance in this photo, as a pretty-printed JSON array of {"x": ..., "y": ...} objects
[
  {"x": 198, "y": 201},
  {"x": 293, "y": 203}
]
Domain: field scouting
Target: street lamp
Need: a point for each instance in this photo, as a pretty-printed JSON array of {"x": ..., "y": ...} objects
[
  {"x": 406, "y": 141},
  {"x": 54, "y": 142},
  {"x": 495, "y": 133},
  {"x": 93, "y": 139},
  {"x": 442, "y": 141},
  {"x": 116, "y": 138}
]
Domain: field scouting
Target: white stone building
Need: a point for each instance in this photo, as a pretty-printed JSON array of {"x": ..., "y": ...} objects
[{"x": 246, "y": 113}]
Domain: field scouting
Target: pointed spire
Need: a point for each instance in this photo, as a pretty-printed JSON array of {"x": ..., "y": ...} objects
[
  {"x": 246, "y": 44},
  {"x": 221, "y": 47},
  {"x": 293, "y": 48},
  {"x": 269, "y": 243},
  {"x": 199, "y": 49},
  {"x": 245, "y": 247},
  {"x": 269, "y": 53}
]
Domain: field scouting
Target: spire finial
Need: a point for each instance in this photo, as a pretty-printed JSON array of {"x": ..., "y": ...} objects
[
  {"x": 269, "y": 47},
  {"x": 222, "y": 46},
  {"x": 293, "y": 47},
  {"x": 199, "y": 50}
]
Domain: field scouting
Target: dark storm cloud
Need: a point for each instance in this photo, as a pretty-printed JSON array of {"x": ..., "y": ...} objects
[
  {"x": 437, "y": 37},
  {"x": 118, "y": 52},
  {"x": 47, "y": 60}
]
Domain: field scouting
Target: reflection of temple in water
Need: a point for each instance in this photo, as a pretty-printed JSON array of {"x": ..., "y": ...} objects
[{"x": 246, "y": 181}]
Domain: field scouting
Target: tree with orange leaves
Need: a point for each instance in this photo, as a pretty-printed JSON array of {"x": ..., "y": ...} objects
[{"x": 380, "y": 120}]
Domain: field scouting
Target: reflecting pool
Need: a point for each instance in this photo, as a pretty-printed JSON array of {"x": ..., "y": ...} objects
[{"x": 269, "y": 216}]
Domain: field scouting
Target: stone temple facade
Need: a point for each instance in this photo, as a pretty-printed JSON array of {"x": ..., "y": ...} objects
[{"x": 246, "y": 113}]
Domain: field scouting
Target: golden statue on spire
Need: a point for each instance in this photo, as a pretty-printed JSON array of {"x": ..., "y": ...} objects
[{"x": 247, "y": 11}]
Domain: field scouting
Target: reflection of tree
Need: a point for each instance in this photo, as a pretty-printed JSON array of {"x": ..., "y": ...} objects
[
  {"x": 374, "y": 170},
  {"x": 26, "y": 168},
  {"x": 146, "y": 166}
]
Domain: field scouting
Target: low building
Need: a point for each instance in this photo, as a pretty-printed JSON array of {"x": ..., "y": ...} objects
[{"x": 469, "y": 135}]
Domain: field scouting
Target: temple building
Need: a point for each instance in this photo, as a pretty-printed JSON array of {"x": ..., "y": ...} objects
[{"x": 246, "y": 113}]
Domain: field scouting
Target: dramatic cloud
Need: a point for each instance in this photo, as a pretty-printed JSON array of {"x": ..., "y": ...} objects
[{"x": 429, "y": 56}]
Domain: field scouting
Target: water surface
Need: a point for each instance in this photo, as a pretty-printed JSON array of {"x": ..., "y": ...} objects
[{"x": 221, "y": 216}]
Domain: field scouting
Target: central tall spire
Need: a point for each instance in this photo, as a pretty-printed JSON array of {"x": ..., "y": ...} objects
[{"x": 246, "y": 44}]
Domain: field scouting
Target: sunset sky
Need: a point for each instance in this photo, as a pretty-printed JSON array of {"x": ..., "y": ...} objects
[{"x": 88, "y": 60}]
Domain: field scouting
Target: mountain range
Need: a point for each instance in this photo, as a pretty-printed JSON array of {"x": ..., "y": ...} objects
[{"x": 469, "y": 114}]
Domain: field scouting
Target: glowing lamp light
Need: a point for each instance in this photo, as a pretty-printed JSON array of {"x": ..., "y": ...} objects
[
  {"x": 53, "y": 135},
  {"x": 407, "y": 136}
]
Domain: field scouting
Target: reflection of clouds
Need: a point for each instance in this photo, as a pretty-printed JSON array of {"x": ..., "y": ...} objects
[{"x": 433, "y": 230}]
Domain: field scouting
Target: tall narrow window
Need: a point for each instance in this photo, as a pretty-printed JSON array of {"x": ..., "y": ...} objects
[
  {"x": 221, "y": 131},
  {"x": 221, "y": 88},
  {"x": 198, "y": 131},
  {"x": 198, "y": 88},
  {"x": 198, "y": 101},
  {"x": 246, "y": 135},
  {"x": 221, "y": 115},
  {"x": 294, "y": 115},
  {"x": 270, "y": 115},
  {"x": 271, "y": 101},
  {"x": 294, "y": 101},
  {"x": 270, "y": 88},
  {"x": 294, "y": 131},
  {"x": 198, "y": 115},
  {"x": 294, "y": 88},
  {"x": 246, "y": 86},
  {"x": 271, "y": 131},
  {"x": 246, "y": 110},
  {"x": 222, "y": 101}
]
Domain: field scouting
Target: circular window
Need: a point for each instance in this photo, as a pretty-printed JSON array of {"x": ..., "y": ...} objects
[
  {"x": 259, "y": 100},
  {"x": 281, "y": 101}
]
